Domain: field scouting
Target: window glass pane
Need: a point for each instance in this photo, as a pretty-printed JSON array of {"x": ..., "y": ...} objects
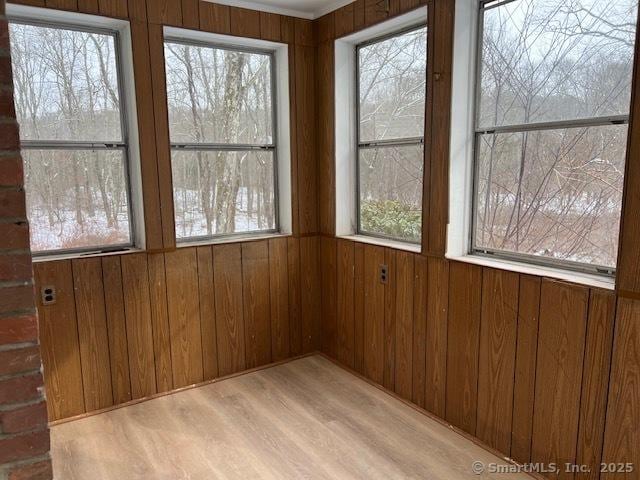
[
  {"x": 66, "y": 84},
  {"x": 552, "y": 60},
  {"x": 218, "y": 96},
  {"x": 552, "y": 193},
  {"x": 391, "y": 191},
  {"x": 223, "y": 192},
  {"x": 392, "y": 79},
  {"x": 76, "y": 198}
]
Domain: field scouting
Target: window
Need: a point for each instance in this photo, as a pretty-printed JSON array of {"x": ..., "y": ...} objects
[
  {"x": 553, "y": 95},
  {"x": 70, "y": 108},
  {"x": 222, "y": 122},
  {"x": 391, "y": 84}
]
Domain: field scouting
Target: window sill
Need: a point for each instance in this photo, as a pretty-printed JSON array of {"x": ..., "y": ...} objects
[
  {"x": 78, "y": 255},
  {"x": 231, "y": 239},
  {"x": 383, "y": 242},
  {"x": 586, "y": 279}
]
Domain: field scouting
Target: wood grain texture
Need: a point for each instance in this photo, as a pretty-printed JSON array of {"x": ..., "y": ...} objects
[
  {"x": 61, "y": 357},
  {"x": 256, "y": 303},
  {"x": 358, "y": 307},
  {"x": 420, "y": 289},
  {"x": 190, "y": 14},
  {"x": 117, "y": 329},
  {"x": 404, "y": 325},
  {"x": 139, "y": 331},
  {"x": 465, "y": 297},
  {"x": 92, "y": 333},
  {"x": 165, "y": 12},
  {"x": 389, "y": 331},
  {"x": 329, "y": 307},
  {"x": 114, "y": 8},
  {"x": 86, "y": 6},
  {"x": 525, "y": 372},
  {"x": 244, "y": 22},
  {"x": 561, "y": 341},
  {"x": 496, "y": 364},
  {"x": 358, "y": 14},
  {"x": 279, "y": 299},
  {"x": 437, "y": 327},
  {"x": 71, "y": 5},
  {"x": 595, "y": 381},
  {"x": 138, "y": 11},
  {"x": 160, "y": 322},
  {"x": 622, "y": 435},
  {"x": 373, "y": 331},
  {"x": 288, "y": 29},
  {"x": 183, "y": 308},
  {"x": 215, "y": 18},
  {"x": 324, "y": 28},
  {"x": 344, "y": 20},
  {"x": 206, "y": 295},
  {"x": 303, "y": 32},
  {"x": 310, "y": 294},
  {"x": 345, "y": 326},
  {"x": 227, "y": 274},
  {"x": 375, "y": 11},
  {"x": 270, "y": 26},
  {"x": 325, "y": 137},
  {"x": 295, "y": 301}
]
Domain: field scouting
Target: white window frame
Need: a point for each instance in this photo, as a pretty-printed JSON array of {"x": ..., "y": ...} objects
[
  {"x": 466, "y": 47},
  {"x": 129, "y": 143},
  {"x": 346, "y": 126},
  {"x": 282, "y": 145}
]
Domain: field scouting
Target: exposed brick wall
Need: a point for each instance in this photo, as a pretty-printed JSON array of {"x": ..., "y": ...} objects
[{"x": 24, "y": 435}]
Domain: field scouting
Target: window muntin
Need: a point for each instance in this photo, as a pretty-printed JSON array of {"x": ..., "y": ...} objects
[
  {"x": 391, "y": 84},
  {"x": 222, "y": 128},
  {"x": 553, "y": 94},
  {"x": 68, "y": 98}
]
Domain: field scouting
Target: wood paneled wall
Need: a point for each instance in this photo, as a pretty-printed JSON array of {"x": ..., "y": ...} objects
[
  {"x": 540, "y": 370},
  {"x": 129, "y": 326}
]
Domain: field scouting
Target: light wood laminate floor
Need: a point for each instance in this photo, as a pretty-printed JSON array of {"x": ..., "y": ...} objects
[{"x": 304, "y": 419}]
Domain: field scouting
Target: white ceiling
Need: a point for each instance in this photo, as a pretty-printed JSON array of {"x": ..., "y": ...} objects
[{"x": 310, "y": 9}]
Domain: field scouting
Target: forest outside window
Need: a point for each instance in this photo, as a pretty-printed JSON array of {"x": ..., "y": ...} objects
[
  {"x": 553, "y": 96},
  {"x": 391, "y": 84},
  {"x": 69, "y": 104},
  {"x": 223, "y": 127}
]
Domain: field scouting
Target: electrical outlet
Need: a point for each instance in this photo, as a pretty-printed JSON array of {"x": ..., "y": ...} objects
[
  {"x": 383, "y": 273},
  {"x": 48, "y": 295}
]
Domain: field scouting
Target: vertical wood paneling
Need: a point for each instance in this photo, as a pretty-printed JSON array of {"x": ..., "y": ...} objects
[
  {"x": 622, "y": 435},
  {"x": 61, "y": 357},
  {"x": 167, "y": 12},
  {"x": 114, "y": 8},
  {"x": 190, "y": 14},
  {"x": 358, "y": 307},
  {"x": 389, "y": 331},
  {"x": 421, "y": 282},
  {"x": 279, "y": 295},
  {"x": 138, "y": 13},
  {"x": 525, "y": 373},
  {"x": 184, "y": 316},
  {"x": 374, "y": 291},
  {"x": 270, "y": 26},
  {"x": 245, "y": 22},
  {"x": 404, "y": 325},
  {"x": 92, "y": 333},
  {"x": 345, "y": 295},
  {"x": 561, "y": 340},
  {"x": 325, "y": 136},
  {"x": 374, "y": 11},
  {"x": 324, "y": 28},
  {"x": 256, "y": 302},
  {"x": 117, "y": 329},
  {"x": 437, "y": 326},
  {"x": 71, "y": 5},
  {"x": 215, "y": 18},
  {"x": 304, "y": 32},
  {"x": 358, "y": 14},
  {"x": 595, "y": 381},
  {"x": 310, "y": 294},
  {"x": 227, "y": 274},
  {"x": 139, "y": 332},
  {"x": 86, "y": 6},
  {"x": 206, "y": 295},
  {"x": 329, "y": 272},
  {"x": 295, "y": 307},
  {"x": 160, "y": 322},
  {"x": 465, "y": 296},
  {"x": 288, "y": 30},
  {"x": 344, "y": 19},
  {"x": 496, "y": 364}
]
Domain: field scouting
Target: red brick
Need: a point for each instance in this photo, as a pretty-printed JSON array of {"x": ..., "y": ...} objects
[
  {"x": 18, "y": 329},
  {"x": 14, "y": 236},
  {"x": 11, "y": 201},
  {"x": 9, "y": 139},
  {"x": 7, "y": 108},
  {"x": 24, "y": 419},
  {"x": 11, "y": 171},
  {"x": 20, "y": 360},
  {"x": 20, "y": 389},
  {"x": 14, "y": 267},
  {"x": 34, "y": 471},
  {"x": 16, "y": 298},
  {"x": 21, "y": 447}
]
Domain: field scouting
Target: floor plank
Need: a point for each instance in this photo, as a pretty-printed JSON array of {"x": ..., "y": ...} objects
[{"x": 304, "y": 419}]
